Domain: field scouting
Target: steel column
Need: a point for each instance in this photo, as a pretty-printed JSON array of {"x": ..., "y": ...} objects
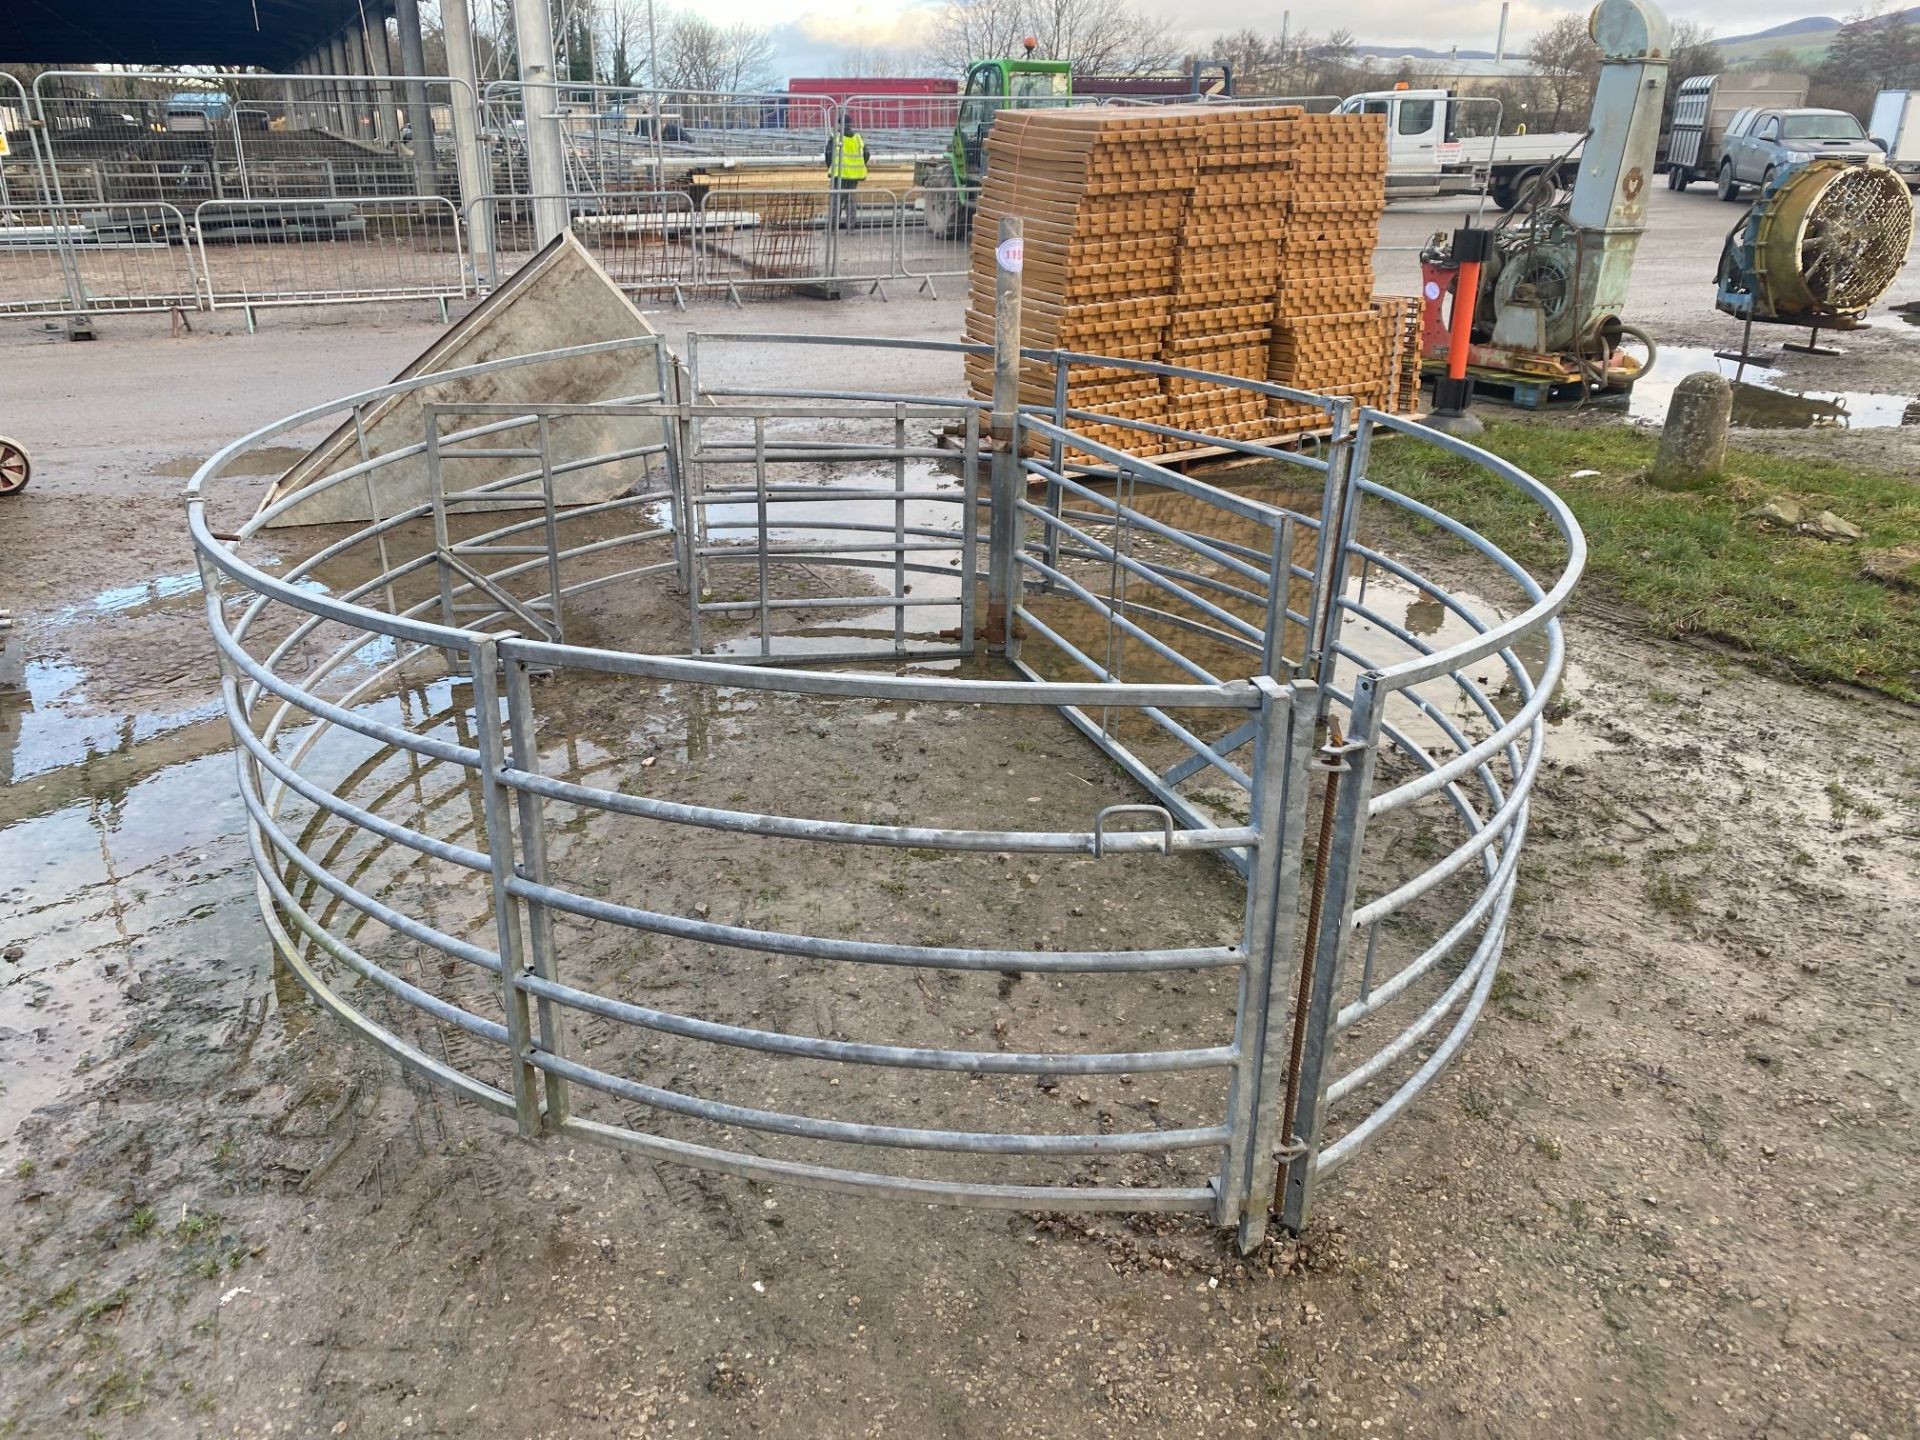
[
  {"x": 470, "y": 158},
  {"x": 373, "y": 40},
  {"x": 1354, "y": 762},
  {"x": 406, "y": 17},
  {"x": 540, "y": 107},
  {"x": 496, "y": 812},
  {"x": 1281, "y": 754}
]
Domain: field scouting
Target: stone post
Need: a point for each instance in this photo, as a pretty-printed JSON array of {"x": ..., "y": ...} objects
[{"x": 1693, "y": 445}]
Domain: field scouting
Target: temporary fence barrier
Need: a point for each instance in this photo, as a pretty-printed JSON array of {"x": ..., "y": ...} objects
[
  {"x": 182, "y": 140},
  {"x": 936, "y": 233},
  {"x": 81, "y": 259},
  {"x": 1223, "y": 648},
  {"x": 257, "y": 253},
  {"x": 621, "y": 138},
  {"x": 767, "y": 239},
  {"x": 647, "y": 241},
  {"x": 749, "y": 169}
]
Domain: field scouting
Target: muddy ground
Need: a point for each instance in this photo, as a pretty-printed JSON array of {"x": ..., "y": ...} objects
[{"x": 1667, "y": 1189}]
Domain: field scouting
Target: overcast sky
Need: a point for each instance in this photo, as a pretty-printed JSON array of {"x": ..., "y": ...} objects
[{"x": 813, "y": 32}]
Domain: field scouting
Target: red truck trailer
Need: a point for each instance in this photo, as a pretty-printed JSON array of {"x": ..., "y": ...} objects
[{"x": 912, "y": 102}]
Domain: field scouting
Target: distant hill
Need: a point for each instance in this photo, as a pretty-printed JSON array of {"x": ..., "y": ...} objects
[
  {"x": 1806, "y": 25},
  {"x": 1421, "y": 52},
  {"x": 1806, "y": 39}
]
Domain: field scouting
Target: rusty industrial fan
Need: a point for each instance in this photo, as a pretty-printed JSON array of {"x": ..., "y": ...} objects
[{"x": 1823, "y": 241}]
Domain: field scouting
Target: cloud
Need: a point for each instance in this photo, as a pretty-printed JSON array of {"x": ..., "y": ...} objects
[
  {"x": 1419, "y": 22},
  {"x": 815, "y": 38}
]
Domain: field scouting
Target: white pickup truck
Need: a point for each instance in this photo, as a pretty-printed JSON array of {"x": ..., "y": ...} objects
[{"x": 1428, "y": 153}]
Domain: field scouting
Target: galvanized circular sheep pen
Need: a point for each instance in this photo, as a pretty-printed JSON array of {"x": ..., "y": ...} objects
[{"x": 778, "y": 806}]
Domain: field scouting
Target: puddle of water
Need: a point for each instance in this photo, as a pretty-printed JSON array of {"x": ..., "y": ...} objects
[
  {"x": 45, "y": 722},
  {"x": 128, "y": 599},
  {"x": 818, "y": 523},
  {"x": 1765, "y": 398},
  {"x": 113, "y": 891},
  {"x": 267, "y": 460}
]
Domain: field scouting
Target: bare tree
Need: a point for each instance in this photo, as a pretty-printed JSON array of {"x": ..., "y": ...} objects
[
  {"x": 876, "y": 62},
  {"x": 1695, "y": 52},
  {"x": 1107, "y": 37},
  {"x": 624, "y": 46},
  {"x": 1258, "y": 60},
  {"x": 1568, "y": 63},
  {"x": 697, "y": 54}
]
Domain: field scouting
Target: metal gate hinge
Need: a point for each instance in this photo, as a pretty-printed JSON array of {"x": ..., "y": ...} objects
[{"x": 1333, "y": 758}]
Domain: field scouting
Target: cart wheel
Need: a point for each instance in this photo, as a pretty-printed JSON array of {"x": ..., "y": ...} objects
[{"x": 15, "y": 468}]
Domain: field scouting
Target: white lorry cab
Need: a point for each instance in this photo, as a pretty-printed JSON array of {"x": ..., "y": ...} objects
[{"x": 1432, "y": 150}]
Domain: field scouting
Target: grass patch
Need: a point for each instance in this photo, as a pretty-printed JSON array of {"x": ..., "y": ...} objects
[
  {"x": 1672, "y": 894},
  {"x": 1847, "y": 802},
  {"x": 1689, "y": 559}
]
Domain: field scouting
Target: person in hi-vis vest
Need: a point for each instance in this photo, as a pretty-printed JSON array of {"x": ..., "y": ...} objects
[{"x": 846, "y": 168}]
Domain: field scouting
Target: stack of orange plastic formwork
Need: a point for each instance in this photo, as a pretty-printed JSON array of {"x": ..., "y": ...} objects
[
  {"x": 1327, "y": 335},
  {"x": 1234, "y": 241},
  {"x": 1400, "y": 314},
  {"x": 1228, "y": 268},
  {"x": 1102, "y": 194}
]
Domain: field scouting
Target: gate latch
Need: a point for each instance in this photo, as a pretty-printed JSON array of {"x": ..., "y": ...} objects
[{"x": 1100, "y": 825}]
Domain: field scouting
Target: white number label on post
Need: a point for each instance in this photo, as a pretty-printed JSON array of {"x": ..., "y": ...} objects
[{"x": 1011, "y": 254}]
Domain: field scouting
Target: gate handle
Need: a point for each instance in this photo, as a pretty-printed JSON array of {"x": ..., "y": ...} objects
[{"x": 1100, "y": 823}]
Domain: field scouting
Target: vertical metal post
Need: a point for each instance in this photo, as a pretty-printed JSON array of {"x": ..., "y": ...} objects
[
  {"x": 764, "y": 538},
  {"x": 373, "y": 503},
  {"x": 687, "y": 431},
  {"x": 970, "y": 533},
  {"x": 525, "y": 753},
  {"x": 1003, "y": 531},
  {"x": 406, "y": 18},
  {"x": 540, "y": 106},
  {"x": 1346, "y": 460},
  {"x": 373, "y": 40},
  {"x": 442, "y": 540},
  {"x": 1273, "y": 644},
  {"x": 496, "y": 811},
  {"x": 1283, "y": 756},
  {"x": 463, "y": 99},
  {"x": 900, "y": 528},
  {"x": 353, "y": 52},
  {"x": 1056, "y": 461},
  {"x": 1330, "y": 948},
  {"x": 551, "y": 530}
]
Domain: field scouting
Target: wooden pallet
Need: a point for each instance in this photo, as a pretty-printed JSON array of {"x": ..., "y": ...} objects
[
  {"x": 1523, "y": 392},
  {"x": 953, "y": 437}
]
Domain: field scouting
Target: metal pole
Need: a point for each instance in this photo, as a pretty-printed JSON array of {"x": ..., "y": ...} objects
[
  {"x": 353, "y": 48},
  {"x": 497, "y": 821},
  {"x": 456, "y": 20},
  {"x": 1354, "y": 761},
  {"x": 1003, "y": 531},
  {"x": 653, "y": 65},
  {"x": 413, "y": 61},
  {"x": 540, "y": 103},
  {"x": 342, "y": 92},
  {"x": 525, "y": 754},
  {"x": 1282, "y": 757},
  {"x": 373, "y": 38}
]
